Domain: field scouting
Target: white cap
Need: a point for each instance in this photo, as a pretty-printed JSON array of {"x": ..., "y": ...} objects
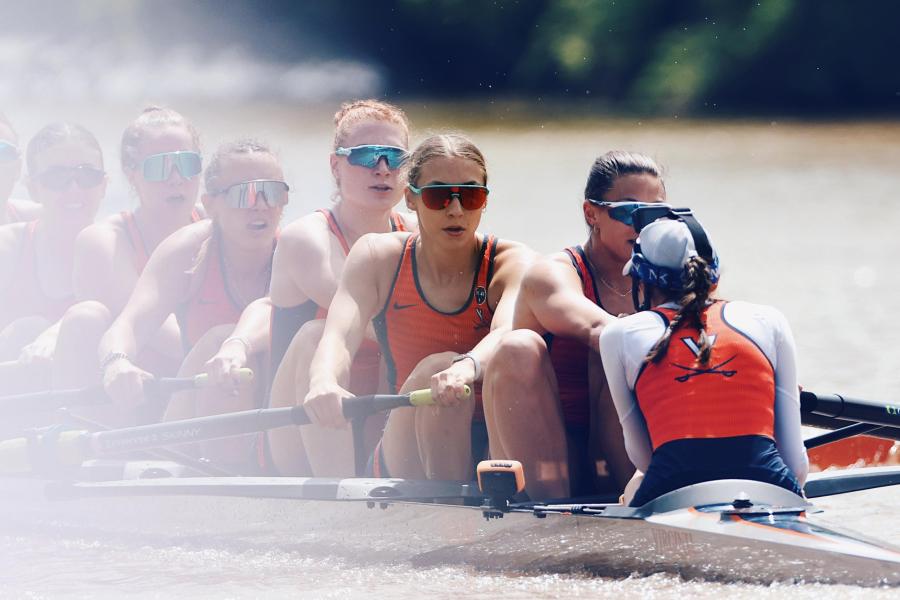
[{"x": 666, "y": 243}]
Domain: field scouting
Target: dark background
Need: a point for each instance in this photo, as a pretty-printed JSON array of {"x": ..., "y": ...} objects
[{"x": 703, "y": 57}]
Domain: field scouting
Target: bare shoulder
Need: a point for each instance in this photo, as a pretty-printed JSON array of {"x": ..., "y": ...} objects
[
  {"x": 185, "y": 246},
  {"x": 378, "y": 248},
  {"x": 308, "y": 234},
  {"x": 27, "y": 209},
  {"x": 513, "y": 256}
]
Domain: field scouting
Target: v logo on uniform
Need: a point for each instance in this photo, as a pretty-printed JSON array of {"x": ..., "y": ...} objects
[{"x": 694, "y": 345}]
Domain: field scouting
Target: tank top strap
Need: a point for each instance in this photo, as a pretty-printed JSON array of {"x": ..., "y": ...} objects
[
  {"x": 141, "y": 256},
  {"x": 397, "y": 222},
  {"x": 335, "y": 228},
  {"x": 585, "y": 273}
]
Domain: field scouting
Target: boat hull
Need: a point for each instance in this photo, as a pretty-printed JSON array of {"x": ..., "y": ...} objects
[{"x": 696, "y": 543}]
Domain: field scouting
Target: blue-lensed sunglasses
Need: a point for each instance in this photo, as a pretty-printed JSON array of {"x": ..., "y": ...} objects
[
  {"x": 8, "y": 151},
  {"x": 368, "y": 155},
  {"x": 623, "y": 212},
  {"x": 158, "y": 167}
]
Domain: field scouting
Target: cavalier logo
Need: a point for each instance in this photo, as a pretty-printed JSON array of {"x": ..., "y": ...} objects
[
  {"x": 480, "y": 295},
  {"x": 694, "y": 345}
]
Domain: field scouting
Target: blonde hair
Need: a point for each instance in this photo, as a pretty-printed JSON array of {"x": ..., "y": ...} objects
[
  {"x": 241, "y": 146},
  {"x": 352, "y": 113},
  {"x": 444, "y": 145},
  {"x": 152, "y": 117}
]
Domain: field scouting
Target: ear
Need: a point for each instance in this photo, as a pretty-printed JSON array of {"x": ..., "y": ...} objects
[
  {"x": 590, "y": 213},
  {"x": 410, "y": 199},
  {"x": 333, "y": 161}
]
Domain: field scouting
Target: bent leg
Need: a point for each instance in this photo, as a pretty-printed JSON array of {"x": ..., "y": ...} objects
[
  {"x": 238, "y": 451},
  {"x": 429, "y": 442},
  {"x": 606, "y": 431},
  {"x": 309, "y": 449},
  {"x": 75, "y": 363},
  {"x": 523, "y": 413}
]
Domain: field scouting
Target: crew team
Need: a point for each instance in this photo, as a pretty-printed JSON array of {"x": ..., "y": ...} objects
[{"x": 608, "y": 366}]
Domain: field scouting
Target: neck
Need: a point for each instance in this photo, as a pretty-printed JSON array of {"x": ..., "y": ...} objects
[
  {"x": 245, "y": 262},
  {"x": 448, "y": 263},
  {"x": 355, "y": 221},
  {"x": 157, "y": 226},
  {"x": 607, "y": 266}
]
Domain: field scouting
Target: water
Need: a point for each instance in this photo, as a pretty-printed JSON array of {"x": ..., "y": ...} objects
[{"x": 804, "y": 217}]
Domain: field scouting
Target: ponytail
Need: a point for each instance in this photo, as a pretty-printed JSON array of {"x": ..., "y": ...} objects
[{"x": 698, "y": 283}]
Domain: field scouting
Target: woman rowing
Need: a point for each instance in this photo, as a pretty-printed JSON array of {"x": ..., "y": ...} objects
[
  {"x": 65, "y": 174},
  {"x": 705, "y": 389},
  {"x": 160, "y": 155},
  {"x": 541, "y": 384},
  {"x": 370, "y": 145},
  {"x": 206, "y": 274},
  {"x": 441, "y": 300},
  {"x": 11, "y": 210}
]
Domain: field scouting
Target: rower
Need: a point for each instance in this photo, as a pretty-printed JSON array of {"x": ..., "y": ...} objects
[
  {"x": 160, "y": 155},
  {"x": 544, "y": 383},
  {"x": 705, "y": 389},
  {"x": 66, "y": 175},
  {"x": 12, "y": 210},
  {"x": 441, "y": 301},
  {"x": 206, "y": 274},
  {"x": 370, "y": 145}
]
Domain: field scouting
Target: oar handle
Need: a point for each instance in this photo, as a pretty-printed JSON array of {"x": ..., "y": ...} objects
[{"x": 168, "y": 385}]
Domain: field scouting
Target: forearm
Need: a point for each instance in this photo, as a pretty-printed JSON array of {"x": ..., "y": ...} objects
[
  {"x": 331, "y": 362},
  {"x": 254, "y": 327}
]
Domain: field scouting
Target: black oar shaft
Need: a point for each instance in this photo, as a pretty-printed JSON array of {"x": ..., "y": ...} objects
[
  {"x": 850, "y": 409},
  {"x": 840, "y": 434}
]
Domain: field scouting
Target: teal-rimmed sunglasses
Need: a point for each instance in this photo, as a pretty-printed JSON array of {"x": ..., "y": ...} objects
[
  {"x": 439, "y": 196},
  {"x": 369, "y": 155},
  {"x": 158, "y": 167}
]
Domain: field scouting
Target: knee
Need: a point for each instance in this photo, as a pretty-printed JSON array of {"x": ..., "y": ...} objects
[
  {"x": 428, "y": 366},
  {"x": 89, "y": 315},
  {"x": 520, "y": 353}
]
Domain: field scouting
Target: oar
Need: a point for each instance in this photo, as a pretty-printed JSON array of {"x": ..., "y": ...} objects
[
  {"x": 49, "y": 400},
  {"x": 44, "y": 451},
  {"x": 849, "y": 416}
]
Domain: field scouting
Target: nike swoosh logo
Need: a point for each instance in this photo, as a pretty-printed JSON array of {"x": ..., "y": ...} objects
[{"x": 402, "y": 306}]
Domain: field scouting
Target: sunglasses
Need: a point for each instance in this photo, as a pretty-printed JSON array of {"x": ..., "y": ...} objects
[
  {"x": 159, "y": 167},
  {"x": 60, "y": 178},
  {"x": 8, "y": 151},
  {"x": 645, "y": 215},
  {"x": 439, "y": 196},
  {"x": 623, "y": 212},
  {"x": 247, "y": 194},
  {"x": 369, "y": 155}
]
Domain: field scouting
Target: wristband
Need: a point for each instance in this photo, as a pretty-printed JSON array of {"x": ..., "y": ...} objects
[
  {"x": 241, "y": 340},
  {"x": 474, "y": 360},
  {"x": 110, "y": 359}
]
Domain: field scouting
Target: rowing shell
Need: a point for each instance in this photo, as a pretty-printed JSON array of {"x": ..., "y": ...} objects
[{"x": 730, "y": 530}]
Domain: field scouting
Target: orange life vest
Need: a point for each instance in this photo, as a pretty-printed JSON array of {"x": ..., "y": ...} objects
[
  {"x": 409, "y": 329},
  {"x": 731, "y": 395}
]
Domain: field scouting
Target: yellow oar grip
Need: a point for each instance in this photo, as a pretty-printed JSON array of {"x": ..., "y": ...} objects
[
  {"x": 15, "y": 456},
  {"x": 423, "y": 397},
  {"x": 245, "y": 375}
]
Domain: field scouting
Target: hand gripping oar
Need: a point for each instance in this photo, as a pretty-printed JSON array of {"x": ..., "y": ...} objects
[
  {"x": 50, "y": 400},
  {"x": 71, "y": 448}
]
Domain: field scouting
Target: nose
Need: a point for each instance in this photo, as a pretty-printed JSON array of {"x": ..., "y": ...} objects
[
  {"x": 455, "y": 206},
  {"x": 381, "y": 167},
  {"x": 175, "y": 177}
]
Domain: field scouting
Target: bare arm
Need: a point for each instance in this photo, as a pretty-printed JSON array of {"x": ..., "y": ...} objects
[
  {"x": 305, "y": 267},
  {"x": 359, "y": 296},
  {"x": 250, "y": 336},
  {"x": 551, "y": 301},
  {"x": 102, "y": 269}
]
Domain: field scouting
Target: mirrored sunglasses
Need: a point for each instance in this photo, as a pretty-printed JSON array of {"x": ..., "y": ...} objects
[
  {"x": 60, "y": 178},
  {"x": 247, "y": 194},
  {"x": 439, "y": 196},
  {"x": 158, "y": 167},
  {"x": 623, "y": 212},
  {"x": 8, "y": 151},
  {"x": 369, "y": 155}
]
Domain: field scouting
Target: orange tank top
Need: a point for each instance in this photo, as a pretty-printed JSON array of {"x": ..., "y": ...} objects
[
  {"x": 25, "y": 297},
  {"x": 133, "y": 233},
  {"x": 213, "y": 304},
  {"x": 569, "y": 357},
  {"x": 732, "y": 395},
  {"x": 409, "y": 328}
]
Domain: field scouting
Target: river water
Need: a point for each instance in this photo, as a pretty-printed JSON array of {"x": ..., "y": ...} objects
[{"x": 804, "y": 216}]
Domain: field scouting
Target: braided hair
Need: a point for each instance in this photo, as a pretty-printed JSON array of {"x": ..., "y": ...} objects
[{"x": 698, "y": 283}]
